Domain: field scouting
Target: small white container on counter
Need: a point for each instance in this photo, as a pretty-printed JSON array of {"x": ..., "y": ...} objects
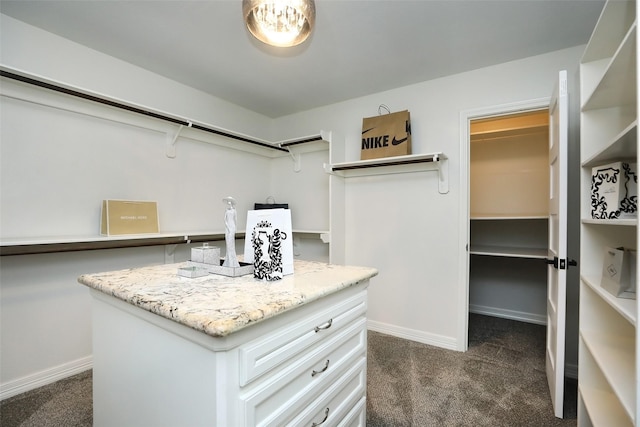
[{"x": 206, "y": 254}]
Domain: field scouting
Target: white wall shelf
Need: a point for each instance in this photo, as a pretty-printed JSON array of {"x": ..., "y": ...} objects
[
  {"x": 399, "y": 164},
  {"x": 497, "y": 216},
  {"x": 621, "y": 67},
  {"x": 625, "y": 307},
  {"x": 614, "y": 222},
  {"x": 43, "y": 245},
  {"x": 508, "y": 251},
  {"x": 619, "y": 147}
]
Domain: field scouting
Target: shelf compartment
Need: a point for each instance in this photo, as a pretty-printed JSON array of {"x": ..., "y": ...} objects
[
  {"x": 610, "y": 89},
  {"x": 613, "y": 24},
  {"x": 626, "y": 308},
  {"x": 516, "y": 238},
  {"x": 602, "y": 404},
  {"x": 622, "y": 146},
  {"x": 616, "y": 357}
]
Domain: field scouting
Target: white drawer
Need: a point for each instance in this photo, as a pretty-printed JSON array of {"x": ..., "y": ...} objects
[
  {"x": 357, "y": 417},
  {"x": 336, "y": 402},
  {"x": 264, "y": 354},
  {"x": 280, "y": 397}
]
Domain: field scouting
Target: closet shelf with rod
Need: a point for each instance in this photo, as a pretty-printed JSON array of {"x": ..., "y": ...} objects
[{"x": 398, "y": 164}]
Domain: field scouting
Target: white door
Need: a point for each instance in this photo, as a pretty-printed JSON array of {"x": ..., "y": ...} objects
[{"x": 558, "y": 261}]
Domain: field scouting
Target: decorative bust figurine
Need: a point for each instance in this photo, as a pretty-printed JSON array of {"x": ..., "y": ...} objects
[{"x": 230, "y": 259}]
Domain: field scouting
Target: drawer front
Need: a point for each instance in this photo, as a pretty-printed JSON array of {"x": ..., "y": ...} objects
[
  {"x": 264, "y": 354},
  {"x": 282, "y": 396},
  {"x": 357, "y": 417},
  {"x": 337, "y": 401}
]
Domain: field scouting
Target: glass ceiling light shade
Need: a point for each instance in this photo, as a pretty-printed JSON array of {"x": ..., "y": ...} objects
[{"x": 281, "y": 23}]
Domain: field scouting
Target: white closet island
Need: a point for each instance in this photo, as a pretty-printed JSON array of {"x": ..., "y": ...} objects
[{"x": 214, "y": 350}]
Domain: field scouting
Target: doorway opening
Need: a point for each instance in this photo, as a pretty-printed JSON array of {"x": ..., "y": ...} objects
[{"x": 508, "y": 215}]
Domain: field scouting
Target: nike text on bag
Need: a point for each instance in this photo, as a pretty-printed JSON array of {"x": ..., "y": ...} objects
[{"x": 386, "y": 135}]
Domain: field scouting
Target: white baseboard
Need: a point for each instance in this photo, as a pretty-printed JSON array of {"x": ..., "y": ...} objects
[
  {"x": 521, "y": 316},
  {"x": 413, "y": 335},
  {"x": 42, "y": 378}
]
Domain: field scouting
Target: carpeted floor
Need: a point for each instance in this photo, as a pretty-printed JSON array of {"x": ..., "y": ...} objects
[{"x": 500, "y": 381}]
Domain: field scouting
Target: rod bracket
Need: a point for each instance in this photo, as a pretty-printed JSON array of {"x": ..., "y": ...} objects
[{"x": 171, "y": 141}]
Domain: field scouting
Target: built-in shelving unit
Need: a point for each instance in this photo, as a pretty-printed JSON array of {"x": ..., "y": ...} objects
[{"x": 608, "y": 378}]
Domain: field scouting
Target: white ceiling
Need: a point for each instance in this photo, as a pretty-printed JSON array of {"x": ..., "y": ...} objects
[{"x": 359, "y": 47}]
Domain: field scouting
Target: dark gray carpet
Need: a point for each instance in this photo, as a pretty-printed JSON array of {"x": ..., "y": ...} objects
[
  {"x": 65, "y": 403},
  {"x": 500, "y": 381}
]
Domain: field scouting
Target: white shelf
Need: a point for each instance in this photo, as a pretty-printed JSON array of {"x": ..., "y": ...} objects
[
  {"x": 623, "y": 145},
  {"x": 598, "y": 404},
  {"x": 36, "y": 245},
  {"x": 509, "y": 252},
  {"x": 614, "y": 222},
  {"x": 626, "y": 307},
  {"x": 487, "y": 217},
  {"x": 398, "y": 164},
  {"x": 614, "y": 355},
  {"x": 614, "y": 22},
  {"x": 608, "y": 92}
]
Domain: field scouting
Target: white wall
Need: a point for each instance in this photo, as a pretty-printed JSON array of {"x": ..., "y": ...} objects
[{"x": 401, "y": 224}]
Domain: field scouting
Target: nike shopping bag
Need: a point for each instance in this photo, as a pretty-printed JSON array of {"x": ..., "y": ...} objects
[{"x": 386, "y": 135}]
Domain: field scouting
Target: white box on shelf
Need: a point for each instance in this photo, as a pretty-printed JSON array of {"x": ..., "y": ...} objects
[
  {"x": 206, "y": 254},
  {"x": 614, "y": 191}
]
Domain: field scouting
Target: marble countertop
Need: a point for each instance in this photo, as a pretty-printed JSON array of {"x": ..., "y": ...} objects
[{"x": 219, "y": 305}]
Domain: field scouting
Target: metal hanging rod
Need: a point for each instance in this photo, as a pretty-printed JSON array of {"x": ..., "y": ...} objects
[
  {"x": 391, "y": 162},
  {"x": 137, "y": 110},
  {"x": 301, "y": 141}
]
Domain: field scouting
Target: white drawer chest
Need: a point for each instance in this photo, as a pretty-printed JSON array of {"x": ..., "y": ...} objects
[{"x": 216, "y": 351}]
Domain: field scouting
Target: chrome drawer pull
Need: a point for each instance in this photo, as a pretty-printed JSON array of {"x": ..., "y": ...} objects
[
  {"x": 325, "y": 326},
  {"x": 314, "y": 372},
  {"x": 326, "y": 415}
]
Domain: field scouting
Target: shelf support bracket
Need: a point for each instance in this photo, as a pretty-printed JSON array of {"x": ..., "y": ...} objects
[
  {"x": 171, "y": 141},
  {"x": 443, "y": 174},
  {"x": 297, "y": 160}
]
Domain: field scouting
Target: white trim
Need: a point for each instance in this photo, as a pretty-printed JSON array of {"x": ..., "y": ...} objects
[
  {"x": 465, "y": 116},
  {"x": 521, "y": 316},
  {"x": 42, "y": 378},
  {"x": 413, "y": 335}
]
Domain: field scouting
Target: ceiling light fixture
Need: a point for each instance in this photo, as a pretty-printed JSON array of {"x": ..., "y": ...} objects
[{"x": 281, "y": 23}]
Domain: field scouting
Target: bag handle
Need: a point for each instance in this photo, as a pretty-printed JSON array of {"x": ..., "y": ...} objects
[{"x": 383, "y": 106}]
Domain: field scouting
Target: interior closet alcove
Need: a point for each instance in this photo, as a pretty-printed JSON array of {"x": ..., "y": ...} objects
[{"x": 509, "y": 199}]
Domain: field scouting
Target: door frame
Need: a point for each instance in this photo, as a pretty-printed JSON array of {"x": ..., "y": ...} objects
[{"x": 465, "y": 118}]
